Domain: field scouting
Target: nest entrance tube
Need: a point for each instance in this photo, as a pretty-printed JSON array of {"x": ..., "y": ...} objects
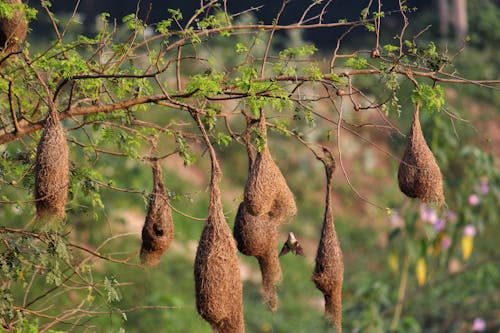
[
  {"x": 51, "y": 172},
  {"x": 419, "y": 175},
  {"x": 257, "y": 236},
  {"x": 218, "y": 287},
  {"x": 328, "y": 272},
  {"x": 158, "y": 229}
]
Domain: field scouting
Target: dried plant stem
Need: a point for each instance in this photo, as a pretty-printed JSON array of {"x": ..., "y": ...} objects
[{"x": 401, "y": 295}]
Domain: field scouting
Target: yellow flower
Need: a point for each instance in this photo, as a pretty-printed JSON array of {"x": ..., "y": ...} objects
[
  {"x": 394, "y": 262},
  {"x": 421, "y": 271},
  {"x": 467, "y": 245}
]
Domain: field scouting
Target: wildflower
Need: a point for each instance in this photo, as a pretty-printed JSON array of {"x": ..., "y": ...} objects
[
  {"x": 421, "y": 271},
  {"x": 439, "y": 225},
  {"x": 393, "y": 262},
  {"x": 468, "y": 240},
  {"x": 445, "y": 242},
  {"x": 428, "y": 214},
  {"x": 454, "y": 266},
  {"x": 470, "y": 230},
  {"x": 484, "y": 187},
  {"x": 474, "y": 200},
  {"x": 478, "y": 325}
]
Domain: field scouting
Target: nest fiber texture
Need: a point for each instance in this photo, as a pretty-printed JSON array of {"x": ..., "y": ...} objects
[
  {"x": 12, "y": 30},
  {"x": 158, "y": 229},
  {"x": 266, "y": 190},
  {"x": 271, "y": 275},
  {"x": 257, "y": 236},
  {"x": 419, "y": 175},
  {"x": 51, "y": 171},
  {"x": 328, "y": 273},
  {"x": 219, "y": 291}
]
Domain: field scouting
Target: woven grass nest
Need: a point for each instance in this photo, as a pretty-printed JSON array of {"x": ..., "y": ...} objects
[
  {"x": 219, "y": 291},
  {"x": 51, "y": 172},
  {"x": 329, "y": 269},
  {"x": 268, "y": 202},
  {"x": 419, "y": 175},
  {"x": 158, "y": 229},
  {"x": 266, "y": 190},
  {"x": 13, "y": 29},
  {"x": 257, "y": 236}
]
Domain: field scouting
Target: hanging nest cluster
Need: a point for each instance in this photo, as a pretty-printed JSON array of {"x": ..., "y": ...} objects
[
  {"x": 419, "y": 175},
  {"x": 268, "y": 202},
  {"x": 51, "y": 171},
  {"x": 13, "y": 29},
  {"x": 158, "y": 229},
  {"x": 217, "y": 273},
  {"x": 328, "y": 273}
]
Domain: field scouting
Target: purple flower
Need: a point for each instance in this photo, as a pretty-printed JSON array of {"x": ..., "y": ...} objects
[
  {"x": 484, "y": 187},
  {"x": 474, "y": 200},
  {"x": 478, "y": 325},
  {"x": 470, "y": 230},
  {"x": 428, "y": 214},
  {"x": 445, "y": 242},
  {"x": 451, "y": 215},
  {"x": 439, "y": 225}
]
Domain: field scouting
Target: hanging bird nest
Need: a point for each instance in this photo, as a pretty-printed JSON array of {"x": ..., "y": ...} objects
[
  {"x": 329, "y": 269},
  {"x": 257, "y": 236},
  {"x": 267, "y": 203},
  {"x": 51, "y": 171},
  {"x": 13, "y": 29},
  {"x": 266, "y": 190},
  {"x": 218, "y": 287},
  {"x": 158, "y": 229},
  {"x": 419, "y": 175},
  {"x": 217, "y": 274}
]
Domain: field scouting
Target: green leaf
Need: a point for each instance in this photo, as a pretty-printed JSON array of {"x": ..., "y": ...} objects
[
  {"x": 430, "y": 98},
  {"x": 241, "y": 48},
  {"x": 110, "y": 288},
  {"x": 205, "y": 84},
  {"x": 175, "y": 13},
  {"x": 223, "y": 139},
  {"x": 389, "y": 48},
  {"x": 163, "y": 26},
  {"x": 302, "y": 51},
  {"x": 356, "y": 63}
]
